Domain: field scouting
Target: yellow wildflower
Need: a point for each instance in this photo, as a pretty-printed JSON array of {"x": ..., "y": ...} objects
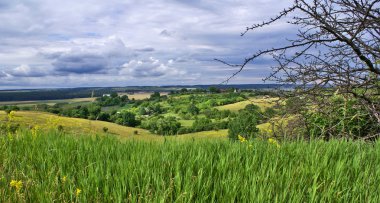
[
  {"x": 16, "y": 184},
  {"x": 64, "y": 179},
  {"x": 77, "y": 192},
  {"x": 11, "y": 115},
  {"x": 274, "y": 142},
  {"x": 35, "y": 131},
  {"x": 242, "y": 139}
]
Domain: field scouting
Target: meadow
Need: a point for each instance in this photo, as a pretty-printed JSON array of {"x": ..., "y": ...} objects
[
  {"x": 77, "y": 126},
  {"x": 54, "y": 166}
]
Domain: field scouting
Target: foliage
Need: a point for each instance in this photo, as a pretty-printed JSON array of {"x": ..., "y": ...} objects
[
  {"x": 192, "y": 109},
  {"x": 162, "y": 125},
  {"x": 245, "y": 124},
  {"x": 126, "y": 118}
]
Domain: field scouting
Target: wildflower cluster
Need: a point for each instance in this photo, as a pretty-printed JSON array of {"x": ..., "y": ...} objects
[
  {"x": 16, "y": 184},
  {"x": 35, "y": 131},
  {"x": 77, "y": 192},
  {"x": 242, "y": 139},
  {"x": 11, "y": 115},
  {"x": 64, "y": 179},
  {"x": 274, "y": 142}
]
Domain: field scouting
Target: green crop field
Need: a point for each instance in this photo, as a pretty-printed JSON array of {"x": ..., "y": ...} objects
[{"x": 50, "y": 166}]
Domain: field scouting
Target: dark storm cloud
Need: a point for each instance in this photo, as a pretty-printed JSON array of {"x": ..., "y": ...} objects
[{"x": 80, "y": 63}]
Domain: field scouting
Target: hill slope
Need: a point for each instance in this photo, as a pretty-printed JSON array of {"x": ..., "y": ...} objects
[{"x": 44, "y": 120}]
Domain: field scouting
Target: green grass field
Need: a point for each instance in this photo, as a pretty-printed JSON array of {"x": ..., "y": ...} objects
[{"x": 54, "y": 167}]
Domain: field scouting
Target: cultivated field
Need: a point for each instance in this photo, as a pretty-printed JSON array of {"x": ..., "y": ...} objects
[{"x": 141, "y": 95}]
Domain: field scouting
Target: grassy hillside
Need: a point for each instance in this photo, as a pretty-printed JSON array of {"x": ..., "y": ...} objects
[
  {"x": 46, "y": 121},
  {"x": 52, "y": 167}
]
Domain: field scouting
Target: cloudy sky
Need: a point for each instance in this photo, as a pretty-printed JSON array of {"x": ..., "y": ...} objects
[{"x": 73, "y": 43}]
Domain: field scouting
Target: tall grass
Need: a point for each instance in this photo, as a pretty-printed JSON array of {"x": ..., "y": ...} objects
[{"x": 56, "y": 167}]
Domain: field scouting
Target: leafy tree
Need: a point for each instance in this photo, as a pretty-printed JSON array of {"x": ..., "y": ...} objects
[
  {"x": 202, "y": 124},
  {"x": 94, "y": 111},
  {"x": 192, "y": 109},
  {"x": 244, "y": 125},
  {"x": 124, "y": 98},
  {"x": 155, "y": 96},
  {"x": 103, "y": 116},
  {"x": 183, "y": 90},
  {"x": 162, "y": 126},
  {"x": 127, "y": 118},
  {"x": 114, "y": 95},
  {"x": 213, "y": 89}
]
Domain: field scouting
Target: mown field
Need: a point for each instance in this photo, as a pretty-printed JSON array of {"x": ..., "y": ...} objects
[{"x": 51, "y": 166}]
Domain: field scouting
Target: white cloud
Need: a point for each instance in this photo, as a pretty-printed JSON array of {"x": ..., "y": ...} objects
[
  {"x": 25, "y": 70},
  {"x": 150, "y": 68}
]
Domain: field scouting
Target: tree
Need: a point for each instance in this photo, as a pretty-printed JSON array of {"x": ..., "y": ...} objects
[
  {"x": 336, "y": 50},
  {"x": 162, "y": 126},
  {"x": 155, "y": 96},
  {"x": 192, "y": 109},
  {"x": 127, "y": 118},
  {"x": 202, "y": 124},
  {"x": 94, "y": 111},
  {"x": 103, "y": 116},
  {"x": 213, "y": 89},
  {"x": 244, "y": 125},
  {"x": 114, "y": 95},
  {"x": 124, "y": 98}
]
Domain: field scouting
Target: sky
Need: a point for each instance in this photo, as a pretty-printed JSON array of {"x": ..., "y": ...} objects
[{"x": 78, "y": 43}]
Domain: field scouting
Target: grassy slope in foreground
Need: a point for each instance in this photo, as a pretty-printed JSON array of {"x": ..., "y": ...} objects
[
  {"x": 84, "y": 126},
  {"x": 54, "y": 167}
]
